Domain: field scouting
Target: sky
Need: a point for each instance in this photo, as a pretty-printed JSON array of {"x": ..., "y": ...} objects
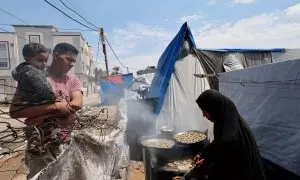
[{"x": 139, "y": 31}]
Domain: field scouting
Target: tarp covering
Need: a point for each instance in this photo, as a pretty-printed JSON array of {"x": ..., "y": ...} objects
[
  {"x": 127, "y": 79},
  {"x": 115, "y": 78},
  {"x": 289, "y": 54},
  {"x": 165, "y": 66},
  {"x": 275, "y": 50},
  {"x": 92, "y": 157},
  {"x": 268, "y": 97},
  {"x": 141, "y": 82},
  {"x": 212, "y": 61},
  {"x": 112, "y": 88},
  {"x": 111, "y": 92},
  {"x": 179, "y": 108}
]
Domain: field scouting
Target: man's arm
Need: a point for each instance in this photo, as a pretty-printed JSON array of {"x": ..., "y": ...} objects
[
  {"x": 76, "y": 100},
  {"x": 39, "y": 110},
  {"x": 30, "y": 111},
  {"x": 76, "y": 94}
]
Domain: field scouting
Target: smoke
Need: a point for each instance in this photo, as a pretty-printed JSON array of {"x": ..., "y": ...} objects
[{"x": 141, "y": 119}]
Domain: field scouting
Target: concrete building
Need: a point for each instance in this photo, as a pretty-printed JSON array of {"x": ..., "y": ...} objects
[
  {"x": 9, "y": 58},
  {"x": 11, "y": 54}
]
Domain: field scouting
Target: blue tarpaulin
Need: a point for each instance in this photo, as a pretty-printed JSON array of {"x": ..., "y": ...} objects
[
  {"x": 112, "y": 89},
  {"x": 111, "y": 92},
  {"x": 165, "y": 66},
  {"x": 127, "y": 79},
  {"x": 275, "y": 50}
]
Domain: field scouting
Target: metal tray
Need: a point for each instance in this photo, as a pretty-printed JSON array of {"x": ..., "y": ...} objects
[{"x": 185, "y": 132}]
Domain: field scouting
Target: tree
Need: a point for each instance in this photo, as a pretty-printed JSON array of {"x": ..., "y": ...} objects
[
  {"x": 115, "y": 70},
  {"x": 99, "y": 73}
]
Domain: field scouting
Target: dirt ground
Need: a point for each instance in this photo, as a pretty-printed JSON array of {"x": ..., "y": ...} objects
[
  {"x": 134, "y": 174},
  {"x": 12, "y": 167},
  {"x": 136, "y": 170}
]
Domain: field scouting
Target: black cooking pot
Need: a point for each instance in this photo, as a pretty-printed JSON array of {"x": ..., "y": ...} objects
[
  {"x": 153, "y": 157},
  {"x": 154, "y": 150}
]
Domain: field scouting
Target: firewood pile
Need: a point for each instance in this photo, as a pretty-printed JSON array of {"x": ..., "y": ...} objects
[{"x": 97, "y": 120}]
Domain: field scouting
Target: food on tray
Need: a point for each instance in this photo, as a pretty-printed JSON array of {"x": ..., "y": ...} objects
[
  {"x": 180, "y": 164},
  {"x": 158, "y": 143},
  {"x": 190, "y": 137}
]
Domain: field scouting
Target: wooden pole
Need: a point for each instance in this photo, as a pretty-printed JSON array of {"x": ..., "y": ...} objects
[{"x": 104, "y": 49}]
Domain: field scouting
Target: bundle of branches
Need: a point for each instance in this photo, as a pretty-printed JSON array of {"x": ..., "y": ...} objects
[{"x": 98, "y": 120}]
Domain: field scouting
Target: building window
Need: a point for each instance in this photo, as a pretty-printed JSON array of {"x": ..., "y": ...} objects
[
  {"x": 4, "y": 55},
  {"x": 34, "y": 38}
]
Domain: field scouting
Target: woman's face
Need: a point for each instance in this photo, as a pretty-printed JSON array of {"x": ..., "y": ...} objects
[{"x": 208, "y": 116}]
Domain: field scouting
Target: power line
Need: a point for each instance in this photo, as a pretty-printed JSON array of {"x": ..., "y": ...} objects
[
  {"x": 98, "y": 46},
  {"x": 78, "y": 14},
  {"x": 63, "y": 29},
  {"x": 13, "y": 15},
  {"x": 73, "y": 18},
  {"x": 117, "y": 58},
  {"x": 12, "y": 33},
  {"x": 71, "y": 29},
  {"x": 89, "y": 28},
  {"x": 68, "y": 15}
]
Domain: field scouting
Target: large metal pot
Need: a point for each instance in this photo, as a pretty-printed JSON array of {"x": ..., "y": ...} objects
[
  {"x": 154, "y": 150},
  {"x": 152, "y": 156}
]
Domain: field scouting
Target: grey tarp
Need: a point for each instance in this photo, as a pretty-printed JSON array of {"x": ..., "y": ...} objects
[
  {"x": 92, "y": 157},
  {"x": 218, "y": 61},
  {"x": 289, "y": 54},
  {"x": 268, "y": 97},
  {"x": 141, "y": 82}
]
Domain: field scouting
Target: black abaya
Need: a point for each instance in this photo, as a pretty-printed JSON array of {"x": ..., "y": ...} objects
[{"x": 233, "y": 155}]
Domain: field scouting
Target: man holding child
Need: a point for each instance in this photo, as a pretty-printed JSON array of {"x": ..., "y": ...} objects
[{"x": 52, "y": 107}]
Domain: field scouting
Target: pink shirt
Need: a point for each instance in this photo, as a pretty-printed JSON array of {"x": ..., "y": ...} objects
[{"x": 62, "y": 88}]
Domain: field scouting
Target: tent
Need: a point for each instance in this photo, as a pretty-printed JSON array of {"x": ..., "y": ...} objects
[
  {"x": 268, "y": 97},
  {"x": 176, "y": 86}
]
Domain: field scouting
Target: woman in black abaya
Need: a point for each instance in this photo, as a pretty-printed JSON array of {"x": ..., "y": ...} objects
[{"x": 233, "y": 154}]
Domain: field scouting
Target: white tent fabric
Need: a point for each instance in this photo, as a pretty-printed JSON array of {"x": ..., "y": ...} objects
[
  {"x": 268, "y": 97},
  {"x": 233, "y": 61},
  {"x": 179, "y": 109}
]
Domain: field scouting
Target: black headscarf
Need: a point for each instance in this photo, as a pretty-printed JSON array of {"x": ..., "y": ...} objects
[{"x": 230, "y": 128}]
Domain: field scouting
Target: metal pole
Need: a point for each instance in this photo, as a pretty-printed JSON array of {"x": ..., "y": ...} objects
[{"x": 104, "y": 49}]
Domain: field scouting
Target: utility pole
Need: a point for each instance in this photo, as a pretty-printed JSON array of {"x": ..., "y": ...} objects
[
  {"x": 104, "y": 50},
  {"x": 89, "y": 76}
]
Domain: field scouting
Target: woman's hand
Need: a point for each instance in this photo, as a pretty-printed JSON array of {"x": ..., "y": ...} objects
[{"x": 199, "y": 161}]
